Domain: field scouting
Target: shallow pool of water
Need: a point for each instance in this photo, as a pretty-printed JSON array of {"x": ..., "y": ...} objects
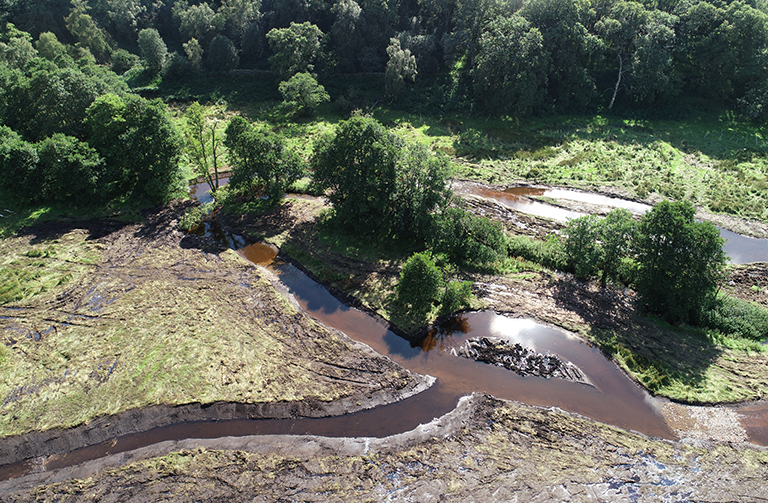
[{"x": 740, "y": 249}]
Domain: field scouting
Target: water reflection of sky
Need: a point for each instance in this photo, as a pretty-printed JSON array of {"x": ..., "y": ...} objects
[{"x": 740, "y": 249}]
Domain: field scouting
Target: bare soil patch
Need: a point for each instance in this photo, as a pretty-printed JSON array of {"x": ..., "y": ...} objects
[
  {"x": 485, "y": 450},
  {"x": 157, "y": 320}
]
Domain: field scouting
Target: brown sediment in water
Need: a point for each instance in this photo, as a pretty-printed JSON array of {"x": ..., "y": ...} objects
[
  {"x": 741, "y": 249},
  {"x": 484, "y": 450},
  {"x": 446, "y": 391}
]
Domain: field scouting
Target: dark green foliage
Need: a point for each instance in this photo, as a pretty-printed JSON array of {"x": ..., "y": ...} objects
[
  {"x": 140, "y": 145},
  {"x": 71, "y": 170},
  {"x": 59, "y": 168},
  {"x": 122, "y": 61},
  {"x": 89, "y": 35},
  {"x": 302, "y": 94},
  {"x": 153, "y": 49},
  {"x": 510, "y": 76},
  {"x": 737, "y": 318},
  {"x": 378, "y": 185},
  {"x": 457, "y": 295},
  {"x": 261, "y": 160},
  {"x": 570, "y": 47},
  {"x": 617, "y": 235},
  {"x": 468, "y": 240},
  {"x": 44, "y": 99},
  {"x": 420, "y": 283},
  {"x": 681, "y": 262},
  {"x": 581, "y": 245},
  {"x": 19, "y": 165},
  {"x": 595, "y": 244},
  {"x": 295, "y": 49},
  {"x": 222, "y": 56}
]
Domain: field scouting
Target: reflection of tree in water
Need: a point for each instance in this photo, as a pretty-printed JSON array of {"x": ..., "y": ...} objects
[{"x": 437, "y": 336}]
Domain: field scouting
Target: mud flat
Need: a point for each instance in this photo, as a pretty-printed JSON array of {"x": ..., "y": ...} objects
[
  {"x": 158, "y": 327},
  {"x": 484, "y": 450}
]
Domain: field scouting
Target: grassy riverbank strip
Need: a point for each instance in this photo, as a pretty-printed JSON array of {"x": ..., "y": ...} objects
[{"x": 687, "y": 364}]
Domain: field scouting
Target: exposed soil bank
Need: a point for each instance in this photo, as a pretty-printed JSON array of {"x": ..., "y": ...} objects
[
  {"x": 167, "y": 327},
  {"x": 484, "y": 450}
]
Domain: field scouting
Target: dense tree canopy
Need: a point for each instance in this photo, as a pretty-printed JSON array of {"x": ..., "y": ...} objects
[
  {"x": 262, "y": 162},
  {"x": 295, "y": 49},
  {"x": 376, "y": 183},
  {"x": 680, "y": 260},
  {"x": 537, "y": 56}
]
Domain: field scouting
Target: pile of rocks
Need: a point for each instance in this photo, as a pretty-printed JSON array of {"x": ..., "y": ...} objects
[{"x": 524, "y": 361}]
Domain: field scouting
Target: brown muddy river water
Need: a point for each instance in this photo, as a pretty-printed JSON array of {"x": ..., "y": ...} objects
[
  {"x": 740, "y": 249},
  {"x": 614, "y": 399}
]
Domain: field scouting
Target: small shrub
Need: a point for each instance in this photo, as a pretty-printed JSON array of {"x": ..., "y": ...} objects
[
  {"x": 549, "y": 253},
  {"x": 419, "y": 285},
  {"x": 737, "y": 318},
  {"x": 457, "y": 295},
  {"x": 195, "y": 216}
]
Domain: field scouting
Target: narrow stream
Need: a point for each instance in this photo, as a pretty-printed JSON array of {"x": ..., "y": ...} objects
[
  {"x": 614, "y": 399},
  {"x": 740, "y": 249}
]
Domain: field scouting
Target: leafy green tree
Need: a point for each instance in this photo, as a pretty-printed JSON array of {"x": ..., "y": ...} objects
[
  {"x": 238, "y": 15},
  {"x": 470, "y": 18},
  {"x": 468, "y": 240},
  {"x": 294, "y": 49},
  {"x": 358, "y": 169},
  {"x": 49, "y": 47},
  {"x": 570, "y": 47},
  {"x": 436, "y": 15},
  {"x": 124, "y": 15},
  {"x": 222, "y": 55},
  {"x": 153, "y": 49},
  {"x": 89, "y": 35},
  {"x": 419, "y": 285},
  {"x": 198, "y": 21},
  {"x": 70, "y": 170},
  {"x": 511, "y": 72},
  {"x": 194, "y": 52},
  {"x": 59, "y": 168},
  {"x": 400, "y": 67},
  {"x": 421, "y": 189},
  {"x": 641, "y": 41},
  {"x": 681, "y": 262},
  {"x": 16, "y": 48},
  {"x": 457, "y": 295},
  {"x": 261, "y": 160},
  {"x": 581, "y": 245},
  {"x": 19, "y": 165},
  {"x": 721, "y": 46},
  {"x": 303, "y": 94},
  {"x": 122, "y": 61},
  {"x": 346, "y": 33},
  {"x": 203, "y": 143},
  {"x": 377, "y": 185},
  {"x": 595, "y": 244},
  {"x": 44, "y": 99},
  {"x": 140, "y": 145},
  {"x": 618, "y": 232}
]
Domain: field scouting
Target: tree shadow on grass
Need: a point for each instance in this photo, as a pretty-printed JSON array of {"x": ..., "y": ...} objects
[{"x": 673, "y": 361}]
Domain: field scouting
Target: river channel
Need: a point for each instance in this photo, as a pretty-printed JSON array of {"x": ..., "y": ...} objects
[
  {"x": 740, "y": 249},
  {"x": 614, "y": 398}
]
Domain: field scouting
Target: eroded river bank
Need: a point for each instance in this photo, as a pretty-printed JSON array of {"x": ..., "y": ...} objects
[{"x": 416, "y": 355}]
